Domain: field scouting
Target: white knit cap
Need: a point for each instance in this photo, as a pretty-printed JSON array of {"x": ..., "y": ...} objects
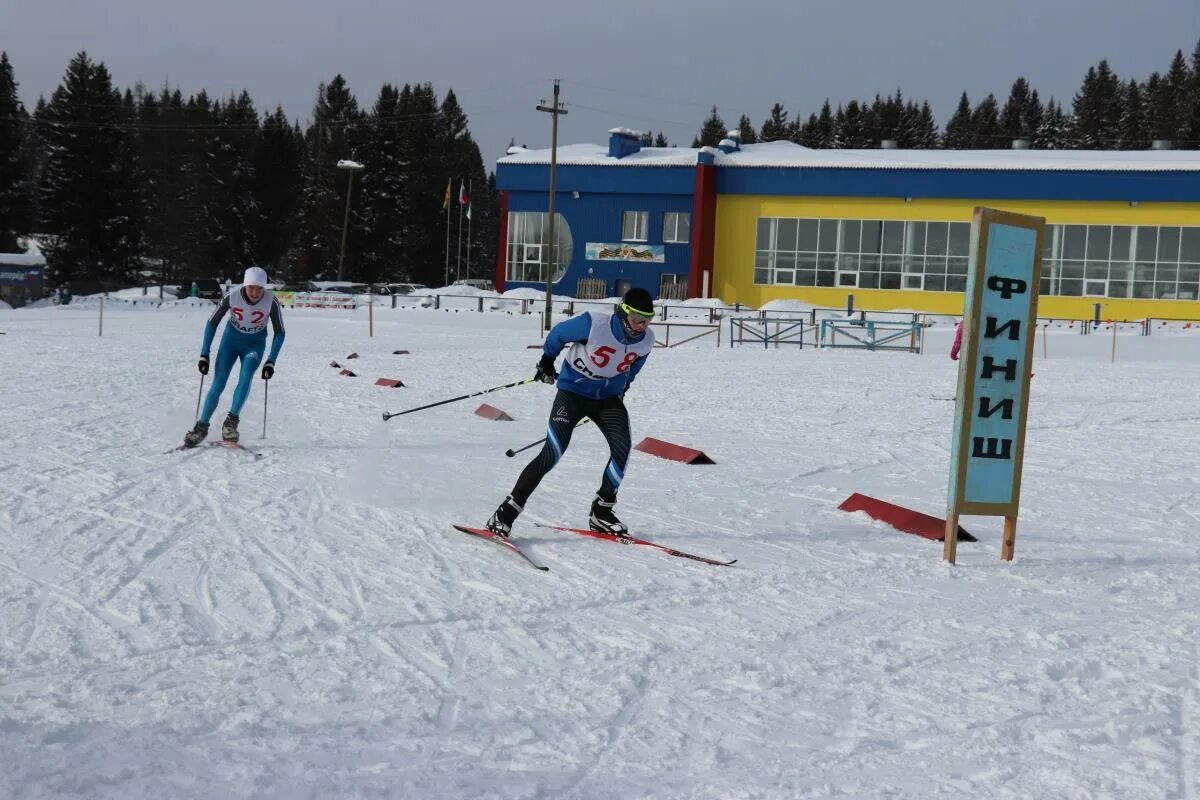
[{"x": 255, "y": 276}]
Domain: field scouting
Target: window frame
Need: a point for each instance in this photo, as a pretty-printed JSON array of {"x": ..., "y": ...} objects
[
  {"x": 640, "y": 219},
  {"x": 673, "y": 237}
]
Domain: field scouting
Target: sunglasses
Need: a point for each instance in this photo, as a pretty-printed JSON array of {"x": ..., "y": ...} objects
[{"x": 636, "y": 316}]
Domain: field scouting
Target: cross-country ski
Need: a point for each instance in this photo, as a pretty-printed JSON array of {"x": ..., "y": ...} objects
[{"x": 629, "y": 539}]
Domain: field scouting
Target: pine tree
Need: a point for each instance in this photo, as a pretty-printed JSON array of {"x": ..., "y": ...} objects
[
  {"x": 985, "y": 125},
  {"x": 661, "y": 140},
  {"x": 332, "y": 137},
  {"x": 278, "y": 183},
  {"x": 1015, "y": 122},
  {"x": 959, "y": 134},
  {"x": 746, "y": 130},
  {"x": 1097, "y": 110},
  {"x": 850, "y": 127},
  {"x": 1175, "y": 96},
  {"x": 15, "y": 170},
  {"x": 232, "y": 217},
  {"x": 1131, "y": 135},
  {"x": 1192, "y": 105},
  {"x": 384, "y": 188},
  {"x": 1053, "y": 131},
  {"x": 712, "y": 131},
  {"x": 927, "y": 136},
  {"x": 775, "y": 127},
  {"x": 86, "y": 189}
]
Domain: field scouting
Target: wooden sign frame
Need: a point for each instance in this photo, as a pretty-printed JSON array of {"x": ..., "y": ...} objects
[{"x": 992, "y": 403}]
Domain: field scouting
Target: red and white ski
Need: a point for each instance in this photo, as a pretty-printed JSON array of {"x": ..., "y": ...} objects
[
  {"x": 612, "y": 537},
  {"x": 484, "y": 533}
]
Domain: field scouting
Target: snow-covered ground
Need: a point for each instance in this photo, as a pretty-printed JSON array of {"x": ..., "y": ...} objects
[{"x": 203, "y": 625}]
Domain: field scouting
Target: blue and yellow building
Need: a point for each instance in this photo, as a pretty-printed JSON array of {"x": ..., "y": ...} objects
[{"x": 761, "y": 222}]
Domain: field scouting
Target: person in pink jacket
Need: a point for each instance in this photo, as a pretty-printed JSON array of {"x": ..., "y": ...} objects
[{"x": 954, "y": 348}]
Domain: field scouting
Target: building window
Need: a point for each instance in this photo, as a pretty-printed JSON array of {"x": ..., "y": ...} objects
[
  {"x": 634, "y": 225},
  {"x": 676, "y": 227},
  {"x": 1145, "y": 261},
  {"x": 528, "y": 255}
]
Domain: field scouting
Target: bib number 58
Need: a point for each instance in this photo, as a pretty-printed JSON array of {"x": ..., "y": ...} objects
[{"x": 603, "y": 354}]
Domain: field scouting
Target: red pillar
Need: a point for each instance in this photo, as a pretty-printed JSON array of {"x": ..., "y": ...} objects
[
  {"x": 502, "y": 250},
  {"x": 704, "y": 224}
]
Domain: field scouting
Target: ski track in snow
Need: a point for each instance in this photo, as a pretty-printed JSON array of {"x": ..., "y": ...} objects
[{"x": 201, "y": 624}]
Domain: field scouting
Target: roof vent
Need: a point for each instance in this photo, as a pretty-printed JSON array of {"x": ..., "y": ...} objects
[
  {"x": 888, "y": 144},
  {"x": 727, "y": 145},
  {"x": 623, "y": 142},
  {"x": 1020, "y": 144},
  {"x": 1162, "y": 144}
]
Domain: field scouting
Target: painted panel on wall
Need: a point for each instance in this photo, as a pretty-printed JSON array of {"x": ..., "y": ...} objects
[{"x": 623, "y": 251}]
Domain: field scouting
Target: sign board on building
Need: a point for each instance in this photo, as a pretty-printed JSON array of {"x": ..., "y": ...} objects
[
  {"x": 625, "y": 251},
  {"x": 999, "y": 323}
]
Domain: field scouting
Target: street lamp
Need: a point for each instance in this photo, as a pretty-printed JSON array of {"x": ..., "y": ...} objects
[{"x": 351, "y": 167}]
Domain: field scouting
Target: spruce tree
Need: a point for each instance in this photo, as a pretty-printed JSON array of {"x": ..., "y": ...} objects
[
  {"x": 278, "y": 183},
  {"x": 15, "y": 170},
  {"x": 332, "y": 136},
  {"x": 86, "y": 189},
  {"x": 1053, "y": 131},
  {"x": 712, "y": 131},
  {"x": 659, "y": 141},
  {"x": 958, "y": 134},
  {"x": 384, "y": 189},
  {"x": 985, "y": 125},
  {"x": 1175, "y": 91},
  {"x": 850, "y": 127},
  {"x": 1192, "y": 105},
  {"x": 1131, "y": 134},
  {"x": 775, "y": 127},
  {"x": 927, "y": 136},
  {"x": 1015, "y": 117},
  {"x": 1097, "y": 110},
  {"x": 746, "y": 130}
]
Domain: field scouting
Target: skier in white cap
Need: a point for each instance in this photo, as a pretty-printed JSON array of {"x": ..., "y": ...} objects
[{"x": 245, "y": 338}]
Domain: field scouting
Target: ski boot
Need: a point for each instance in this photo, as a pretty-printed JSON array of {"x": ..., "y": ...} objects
[
  {"x": 603, "y": 519},
  {"x": 502, "y": 520},
  {"x": 229, "y": 431},
  {"x": 196, "y": 435}
]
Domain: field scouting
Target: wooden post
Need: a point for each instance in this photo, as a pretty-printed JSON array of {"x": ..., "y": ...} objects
[
  {"x": 1113, "y": 359},
  {"x": 101, "y": 315},
  {"x": 1045, "y": 328},
  {"x": 1010, "y": 538},
  {"x": 370, "y": 318},
  {"x": 950, "y": 542}
]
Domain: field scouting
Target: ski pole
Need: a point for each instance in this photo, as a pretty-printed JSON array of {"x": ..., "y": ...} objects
[
  {"x": 389, "y": 415},
  {"x": 511, "y": 453},
  {"x": 198, "y": 395},
  {"x": 266, "y": 394}
]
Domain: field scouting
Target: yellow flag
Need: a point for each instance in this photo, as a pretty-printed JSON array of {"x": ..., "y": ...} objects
[{"x": 446, "y": 201}]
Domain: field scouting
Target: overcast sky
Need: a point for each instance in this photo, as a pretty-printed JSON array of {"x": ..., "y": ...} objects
[{"x": 641, "y": 65}]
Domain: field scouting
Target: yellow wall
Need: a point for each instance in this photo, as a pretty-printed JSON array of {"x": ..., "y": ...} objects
[{"x": 737, "y": 216}]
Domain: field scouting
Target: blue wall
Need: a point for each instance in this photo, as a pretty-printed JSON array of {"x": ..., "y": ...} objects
[
  {"x": 604, "y": 193},
  {"x": 960, "y": 184}
]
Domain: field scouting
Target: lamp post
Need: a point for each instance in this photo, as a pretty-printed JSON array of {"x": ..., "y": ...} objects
[
  {"x": 351, "y": 167},
  {"x": 554, "y": 110}
]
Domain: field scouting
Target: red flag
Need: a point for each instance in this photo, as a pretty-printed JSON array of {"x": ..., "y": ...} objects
[{"x": 463, "y": 198}]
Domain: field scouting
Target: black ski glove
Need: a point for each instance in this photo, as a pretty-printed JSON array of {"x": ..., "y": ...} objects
[
  {"x": 202, "y": 365},
  {"x": 268, "y": 370},
  {"x": 545, "y": 370}
]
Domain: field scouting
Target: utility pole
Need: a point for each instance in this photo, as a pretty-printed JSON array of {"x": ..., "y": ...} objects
[
  {"x": 554, "y": 111},
  {"x": 351, "y": 167}
]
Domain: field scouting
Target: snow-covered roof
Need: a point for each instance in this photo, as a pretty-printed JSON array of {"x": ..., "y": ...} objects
[{"x": 787, "y": 154}]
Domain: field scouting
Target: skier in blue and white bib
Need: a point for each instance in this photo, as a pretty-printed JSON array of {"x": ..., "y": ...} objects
[
  {"x": 249, "y": 306},
  {"x": 607, "y": 352}
]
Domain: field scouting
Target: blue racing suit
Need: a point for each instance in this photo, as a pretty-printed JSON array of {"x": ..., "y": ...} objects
[{"x": 238, "y": 344}]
